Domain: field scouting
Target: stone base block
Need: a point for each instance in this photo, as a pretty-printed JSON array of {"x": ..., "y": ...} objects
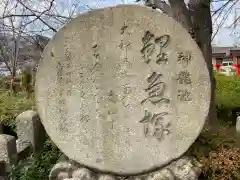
[{"x": 181, "y": 169}]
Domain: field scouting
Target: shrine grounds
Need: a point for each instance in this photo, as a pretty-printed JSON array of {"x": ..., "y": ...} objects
[{"x": 216, "y": 148}]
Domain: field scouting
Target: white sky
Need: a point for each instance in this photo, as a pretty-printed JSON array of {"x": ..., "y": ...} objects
[{"x": 228, "y": 36}]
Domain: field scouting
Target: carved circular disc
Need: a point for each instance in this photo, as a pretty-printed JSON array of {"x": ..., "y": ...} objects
[{"x": 123, "y": 89}]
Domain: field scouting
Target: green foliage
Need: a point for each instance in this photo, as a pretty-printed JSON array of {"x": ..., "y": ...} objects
[
  {"x": 227, "y": 91},
  {"x": 227, "y": 96},
  {"x": 12, "y": 106},
  {"x": 217, "y": 147},
  {"x": 37, "y": 166},
  {"x": 26, "y": 79}
]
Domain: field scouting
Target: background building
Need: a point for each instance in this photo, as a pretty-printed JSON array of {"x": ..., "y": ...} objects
[{"x": 226, "y": 57}]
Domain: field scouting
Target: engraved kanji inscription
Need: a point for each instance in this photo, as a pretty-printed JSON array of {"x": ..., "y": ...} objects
[
  {"x": 112, "y": 97},
  {"x": 184, "y": 95},
  {"x": 155, "y": 90},
  {"x": 127, "y": 89},
  {"x": 59, "y": 72},
  {"x": 68, "y": 74},
  {"x": 124, "y": 27},
  {"x": 183, "y": 77},
  {"x": 163, "y": 42},
  {"x": 162, "y": 57},
  {"x": 149, "y": 47},
  {"x": 184, "y": 58},
  {"x": 95, "y": 51},
  {"x": 123, "y": 46},
  {"x": 154, "y": 125}
]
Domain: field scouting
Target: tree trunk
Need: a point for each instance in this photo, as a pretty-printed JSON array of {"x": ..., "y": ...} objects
[
  {"x": 13, "y": 79},
  {"x": 14, "y": 64},
  {"x": 13, "y": 86},
  {"x": 202, "y": 24}
]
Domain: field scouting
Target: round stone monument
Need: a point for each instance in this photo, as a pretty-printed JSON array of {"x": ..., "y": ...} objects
[{"x": 123, "y": 89}]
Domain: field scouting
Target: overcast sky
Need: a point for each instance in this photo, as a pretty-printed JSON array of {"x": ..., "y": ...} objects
[{"x": 228, "y": 36}]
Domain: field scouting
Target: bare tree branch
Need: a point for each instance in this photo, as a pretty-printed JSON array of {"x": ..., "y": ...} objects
[
  {"x": 39, "y": 16},
  {"x": 224, "y": 18},
  {"x": 158, "y": 4},
  {"x": 222, "y": 7},
  {"x": 235, "y": 21}
]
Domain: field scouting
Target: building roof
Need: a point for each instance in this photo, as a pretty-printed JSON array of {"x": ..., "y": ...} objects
[
  {"x": 220, "y": 49},
  {"x": 224, "y": 50},
  {"x": 235, "y": 49}
]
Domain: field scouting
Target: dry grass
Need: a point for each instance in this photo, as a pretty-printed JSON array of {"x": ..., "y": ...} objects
[{"x": 217, "y": 148}]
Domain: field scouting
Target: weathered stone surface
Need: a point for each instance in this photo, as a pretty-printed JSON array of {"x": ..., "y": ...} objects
[
  {"x": 123, "y": 89},
  {"x": 185, "y": 169},
  {"x": 24, "y": 149},
  {"x": 181, "y": 169},
  {"x": 60, "y": 168},
  {"x": 106, "y": 177},
  {"x": 62, "y": 175},
  {"x": 83, "y": 174},
  {"x": 30, "y": 129},
  {"x": 8, "y": 150},
  {"x": 238, "y": 131},
  {"x": 238, "y": 124},
  {"x": 165, "y": 174}
]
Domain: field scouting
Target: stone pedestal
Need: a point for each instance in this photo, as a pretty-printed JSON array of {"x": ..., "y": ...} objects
[
  {"x": 30, "y": 130},
  {"x": 8, "y": 150},
  {"x": 238, "y": 130},
  {"x": 24, "y": 149},
  {"x": 182, "y": 169}
]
